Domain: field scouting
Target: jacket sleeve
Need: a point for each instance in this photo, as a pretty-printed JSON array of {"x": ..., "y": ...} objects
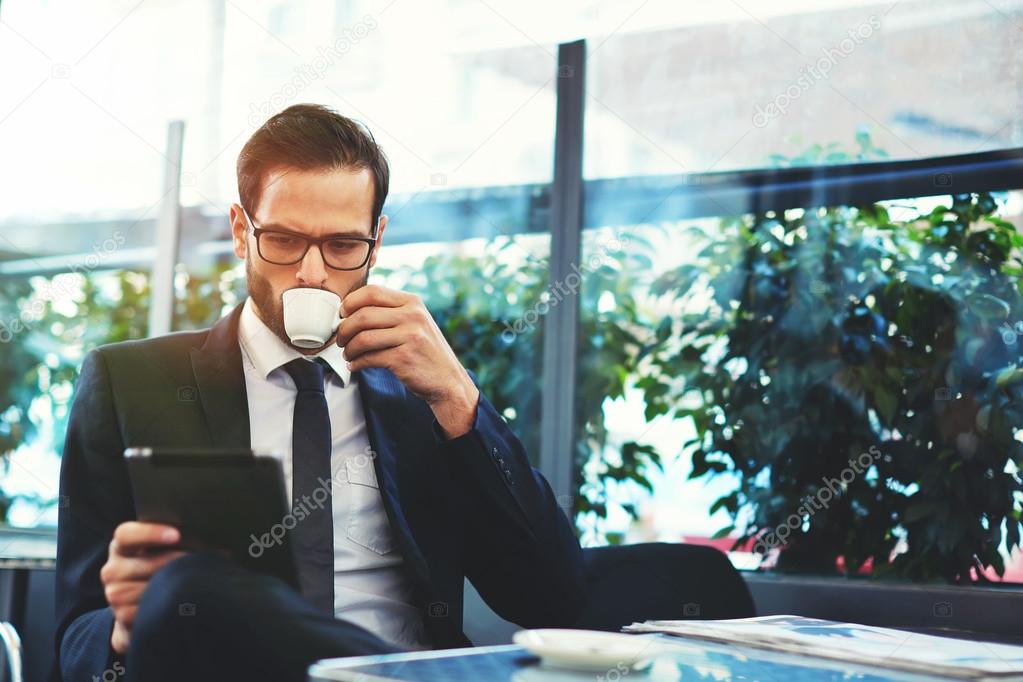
[
  {"x": 95, "y": 498},
  {"x": 521, "y": 552}
]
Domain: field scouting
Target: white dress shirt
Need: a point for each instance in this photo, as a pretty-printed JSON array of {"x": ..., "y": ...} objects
[{"x": 370, "y": 589}]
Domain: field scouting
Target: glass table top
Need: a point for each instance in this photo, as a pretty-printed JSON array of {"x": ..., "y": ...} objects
[{"x": 687, "y": 660}]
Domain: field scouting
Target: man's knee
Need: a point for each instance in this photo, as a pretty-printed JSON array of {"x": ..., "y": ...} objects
[
  {"x": 167, "y": 639},
  {"x": 175, "y": 592}
]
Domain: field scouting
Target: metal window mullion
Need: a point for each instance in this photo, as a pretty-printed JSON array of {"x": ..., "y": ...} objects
[
  {"x": 168, "y": 236},
  {"x": 557, "y": 436}
]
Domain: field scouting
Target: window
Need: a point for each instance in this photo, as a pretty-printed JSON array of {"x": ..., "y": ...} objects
[
  {"x": 726, "y": 86},
  {"x": 465, "y": 113},
  {"x": 701, "y": 125},
  {"x": 670, "y": 111}
]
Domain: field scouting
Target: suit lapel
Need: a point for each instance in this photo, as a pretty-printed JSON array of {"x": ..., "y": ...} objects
[
  {"x": 382, "y": 399},
  {"x": 219, "y": 376}
]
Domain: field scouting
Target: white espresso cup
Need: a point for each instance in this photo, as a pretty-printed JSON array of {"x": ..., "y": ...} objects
[{"x": 311, "y": 316}]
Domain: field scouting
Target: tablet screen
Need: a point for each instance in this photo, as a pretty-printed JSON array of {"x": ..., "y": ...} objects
[{"x": 227, "y": 500}]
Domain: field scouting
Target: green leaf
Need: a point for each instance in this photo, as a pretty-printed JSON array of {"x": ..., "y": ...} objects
[
  {"x": 728, "y": 502},
  {"x": 1009, "y": 376},
  {"x": 886, "y": 403},
  {"x": 664, "y": 329}
]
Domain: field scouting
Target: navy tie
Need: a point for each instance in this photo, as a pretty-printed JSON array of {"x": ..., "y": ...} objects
[{"x": 313, "y": 534}]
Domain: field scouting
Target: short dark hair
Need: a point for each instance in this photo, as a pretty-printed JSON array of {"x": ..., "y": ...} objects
[{"x": 310, "y": 137}]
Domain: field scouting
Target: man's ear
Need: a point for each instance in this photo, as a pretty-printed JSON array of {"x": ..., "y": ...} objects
[
  {"x": 239, "y": 231},
  {"x": 381, "y": 226}
]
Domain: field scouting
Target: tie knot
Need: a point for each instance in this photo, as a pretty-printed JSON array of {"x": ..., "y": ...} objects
[{"x": 308, "y": 376}]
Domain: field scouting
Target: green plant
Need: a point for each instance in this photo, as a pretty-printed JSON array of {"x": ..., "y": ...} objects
[
  {"x": 490, "y": 307},
  {"x": 15, "y": 425},
  {"x": 829, "y": 332},
  {"x": 794, "y": 341},
  {"x": 478, "y": 301},
  {"x": 200, "y": 299},
  {"x": 49, "y": 325}
]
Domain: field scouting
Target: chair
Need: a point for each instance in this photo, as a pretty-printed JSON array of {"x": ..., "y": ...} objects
[
  {"x": 633, "y": 583},
  {"x": 12, "y": 650},
  {"x": 660, "y": 581}
]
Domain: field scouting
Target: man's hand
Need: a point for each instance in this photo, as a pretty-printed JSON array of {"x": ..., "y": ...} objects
[
  {"x": 137, "y": 551},
  {"x": 391, "y": 329}
]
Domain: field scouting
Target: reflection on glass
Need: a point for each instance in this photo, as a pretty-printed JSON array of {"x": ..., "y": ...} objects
[
  {"x": 47, "y": 324},
  {"x": 732, "y": 85},
  {"x": 842, "y": 383}
]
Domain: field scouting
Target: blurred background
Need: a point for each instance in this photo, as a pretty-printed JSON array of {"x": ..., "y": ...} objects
[{"x": 781, "y": 246}]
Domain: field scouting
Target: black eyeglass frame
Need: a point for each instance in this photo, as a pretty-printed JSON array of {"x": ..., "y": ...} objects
[{"x": 309, "y": 241}]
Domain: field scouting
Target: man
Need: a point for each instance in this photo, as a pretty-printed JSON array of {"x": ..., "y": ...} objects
[{"x": 449, "y": 493}]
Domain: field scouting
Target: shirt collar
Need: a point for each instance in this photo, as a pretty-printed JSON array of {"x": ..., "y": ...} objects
[{"x": 268, "y": 352}]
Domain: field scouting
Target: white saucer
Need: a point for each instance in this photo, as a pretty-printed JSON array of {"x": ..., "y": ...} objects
[{"x": 588, "y": 650}]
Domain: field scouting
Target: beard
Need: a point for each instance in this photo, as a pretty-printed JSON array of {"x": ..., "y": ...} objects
[{"x": 270, "y": 306}]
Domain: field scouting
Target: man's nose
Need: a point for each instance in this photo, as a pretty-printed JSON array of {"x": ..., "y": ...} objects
[{"x": 312, "y": 271}]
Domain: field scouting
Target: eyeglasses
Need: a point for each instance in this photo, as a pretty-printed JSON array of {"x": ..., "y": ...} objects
[{"x": 287, "y": 248}]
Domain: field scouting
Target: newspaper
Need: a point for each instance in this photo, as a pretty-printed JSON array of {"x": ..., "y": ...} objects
[{"x": 851, "y": 643}]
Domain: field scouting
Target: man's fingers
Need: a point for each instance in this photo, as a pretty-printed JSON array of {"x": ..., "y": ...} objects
[
  {"x": 124, "y": 593},
  {"x": 132, "y": 536},
  {"x": 369, "y": 317},
  {"x": 125, "y": 615},
  {"x": 377, "y": 358},
  {"x": 372, "y": 294},
  {"x": 123, "y": 568},
  {"x": 374, "y": 340},
  {"x": 120, "y": 568},
  {"x": 120, "y": 637}
]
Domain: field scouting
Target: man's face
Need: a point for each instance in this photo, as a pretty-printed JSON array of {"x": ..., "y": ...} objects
[{"x": 313, "y": 203}]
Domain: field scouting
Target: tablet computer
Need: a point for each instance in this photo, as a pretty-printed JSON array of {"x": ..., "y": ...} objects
[{"x": 226, "y": 500}]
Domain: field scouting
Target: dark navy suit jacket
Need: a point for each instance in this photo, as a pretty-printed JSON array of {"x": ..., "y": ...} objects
[{"x": 469, "y": 507}]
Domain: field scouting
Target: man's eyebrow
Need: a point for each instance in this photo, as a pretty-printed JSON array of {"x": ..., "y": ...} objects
[{"x": 278, "y": 227}]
